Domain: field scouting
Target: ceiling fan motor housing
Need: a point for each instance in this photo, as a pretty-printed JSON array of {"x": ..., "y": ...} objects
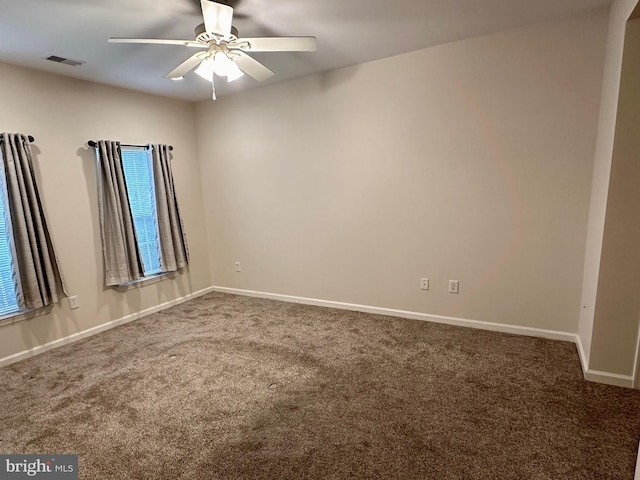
[{"x": 203, "y": 35}]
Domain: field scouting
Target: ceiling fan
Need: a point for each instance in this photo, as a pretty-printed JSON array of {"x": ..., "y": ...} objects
[{"x": 223, "y": 52}]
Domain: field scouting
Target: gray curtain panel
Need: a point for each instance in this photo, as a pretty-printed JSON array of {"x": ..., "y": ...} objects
[
  {"x": 173, "y": 242},
  {"x": 122, "y": 261},
  {"x": 39, "y": 280}
]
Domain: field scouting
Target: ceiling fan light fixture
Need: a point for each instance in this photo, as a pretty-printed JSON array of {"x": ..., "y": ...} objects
[
  {"x": 205, "y": 69},
  {"x": 234, "y": 73},
  {"x": 222, "y": 64}
]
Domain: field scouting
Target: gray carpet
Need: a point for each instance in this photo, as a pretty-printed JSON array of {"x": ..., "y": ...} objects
[{"x": 230, "y": 387}]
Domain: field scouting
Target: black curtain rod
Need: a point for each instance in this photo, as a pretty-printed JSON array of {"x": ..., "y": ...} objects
[
  {"x": 30, "y": 137},
  {"x": 92, "y": 143}
]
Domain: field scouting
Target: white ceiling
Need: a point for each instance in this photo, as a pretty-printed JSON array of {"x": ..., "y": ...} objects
[{"x": 348, "y": 32}]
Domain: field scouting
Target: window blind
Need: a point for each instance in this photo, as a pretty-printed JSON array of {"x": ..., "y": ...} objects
[
  {"x": 138, "y": 175},
  {"x": 8, "y": 297}
]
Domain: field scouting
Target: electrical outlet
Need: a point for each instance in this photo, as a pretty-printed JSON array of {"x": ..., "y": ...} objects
[
  {"x": 73, "y": 302},
  {"x": 424, "y": 284},
  {"x": 237, "y": 266},
  {"x": 454, "y": 286}
]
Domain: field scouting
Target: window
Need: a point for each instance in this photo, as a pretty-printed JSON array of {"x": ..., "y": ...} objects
[
  {"x": 138, "y": 173},
  {"x": 29, "y": 274},
  {"x": 8, "y": 297},
  {"x": 151, "y": 241}
]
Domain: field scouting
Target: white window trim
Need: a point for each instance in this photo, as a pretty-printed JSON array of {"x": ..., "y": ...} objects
[
  {"x": 21, "y": 315},
  {"x": 158, "y": 277}
]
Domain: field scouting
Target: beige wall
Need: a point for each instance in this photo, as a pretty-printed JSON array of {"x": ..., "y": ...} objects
[
  {"x": 618, "y": 15},
  {"x": 63, "y": 114},
  {"x": 617, "y": 308},
  {"x": 469, "y": 161}
]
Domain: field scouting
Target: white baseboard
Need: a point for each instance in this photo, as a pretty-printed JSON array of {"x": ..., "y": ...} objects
[
  {"x": 100, "y": 328},
  {"x": 609, "y": 378},
  {"x": 591, "y": 375},
  {"x": 462, "y": 322},
  {"x": 598, "y": 376}
]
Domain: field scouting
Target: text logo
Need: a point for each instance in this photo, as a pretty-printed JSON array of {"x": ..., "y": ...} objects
[{"x": 45, "y": 467}]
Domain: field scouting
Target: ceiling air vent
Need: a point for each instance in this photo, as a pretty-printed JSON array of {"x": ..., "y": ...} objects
[{"x": 66, "y": 61}]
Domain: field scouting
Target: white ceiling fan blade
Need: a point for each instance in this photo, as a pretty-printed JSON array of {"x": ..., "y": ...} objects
[
  {"x": 252, "y": 67},
  {"x": 185, "y": 67},
  {"x": 158, "y": 41},
  {"x": 276, "y": 44},
  {"x": 217, "y": 17}
]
